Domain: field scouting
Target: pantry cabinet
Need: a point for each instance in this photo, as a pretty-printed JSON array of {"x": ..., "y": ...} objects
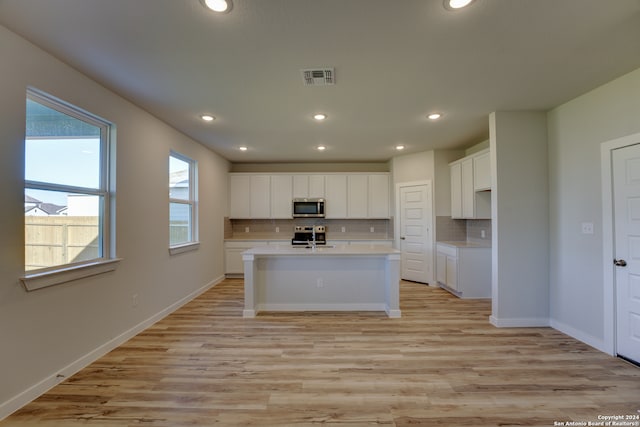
[{"x": 471, "y": 187}]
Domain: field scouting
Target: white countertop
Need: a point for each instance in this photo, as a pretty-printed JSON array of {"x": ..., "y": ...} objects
[
  {"x": 465, "y": 244},
  {"x": 347, "y": 250}
]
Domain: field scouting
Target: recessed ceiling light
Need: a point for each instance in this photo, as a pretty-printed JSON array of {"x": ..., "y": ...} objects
[
  {"x": 399, "y": 147},
  {"x": 220, "y": 6},
  {"x": 243, "y": 148},
  {"x": 456, "y": 4},
  {"x": 319, "y": 117},
  {"x": 207, "y": 117},
  {"x": 321, "y": 148},
  {"x": 434, "y": 116}
]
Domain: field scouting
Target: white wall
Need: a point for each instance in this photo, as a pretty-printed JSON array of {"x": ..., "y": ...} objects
[
  {"x": 519, "y": 215},
  {"x": 576, "y": 130},
  {"x": 42, "y": 332}
]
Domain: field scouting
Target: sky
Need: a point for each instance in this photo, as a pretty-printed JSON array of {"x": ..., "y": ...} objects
[{"x": 73, "y": 161}]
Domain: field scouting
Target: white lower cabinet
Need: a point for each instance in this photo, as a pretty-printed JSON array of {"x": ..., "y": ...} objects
[
  {"x": 233, "y": 265},
  {"x": 464, "y": 269}
]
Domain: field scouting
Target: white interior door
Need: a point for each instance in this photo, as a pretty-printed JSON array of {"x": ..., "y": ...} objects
[
  {"x": 626, "y": 193},
  {"x": 416, "y": 238}
]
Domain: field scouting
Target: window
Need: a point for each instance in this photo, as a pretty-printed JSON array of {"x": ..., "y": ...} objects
[
  {"x": 66, "y": 193},
  {"x": 182, "y": 203}
]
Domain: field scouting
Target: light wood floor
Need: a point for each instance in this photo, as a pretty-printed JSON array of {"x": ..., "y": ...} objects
[{"x": 441, "y": 364}]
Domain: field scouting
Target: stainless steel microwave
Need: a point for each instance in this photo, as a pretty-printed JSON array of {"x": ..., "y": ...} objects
[{"x": 308, "y": 208}]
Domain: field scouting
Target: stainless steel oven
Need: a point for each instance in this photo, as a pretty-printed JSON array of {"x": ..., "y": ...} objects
[
  {"x": 309, "y": 235},
  {"x": 308, "y": 208}
]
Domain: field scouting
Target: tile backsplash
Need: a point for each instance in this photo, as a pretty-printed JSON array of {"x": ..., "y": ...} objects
[
  {"x": 476, "y": 227},
  {"x": 283, "y": 228},
  {"x": 449, "y": 229}
]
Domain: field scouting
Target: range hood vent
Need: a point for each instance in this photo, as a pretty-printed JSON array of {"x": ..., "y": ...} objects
[{"x": 318, "y": 76}]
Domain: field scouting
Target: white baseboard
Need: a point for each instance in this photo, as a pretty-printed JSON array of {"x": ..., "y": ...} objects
[
  {"x": 594, "y": 342},
  {"x": 519, "y": 322},
  {"x": 10, "y": 406}
]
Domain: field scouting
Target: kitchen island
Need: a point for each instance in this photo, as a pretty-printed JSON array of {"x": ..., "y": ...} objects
[{"x": 325, "y": 278}]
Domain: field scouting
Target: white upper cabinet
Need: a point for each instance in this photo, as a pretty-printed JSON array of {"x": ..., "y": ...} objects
[
  {"x": 456, "y": 190},
  {"x": 469, "y": 200},
  {"x": 263, "y": 196},
  {"x": 482, "y": 171},
  {"x": 468, "y": 209},
  {"x": 308, "y": 186},
  {"x": 316, "y": 186},
  {"x": 239, "y": 196},
  {"x": 336, "y": 196},
  {"x": 260, "y": 196},
  {"x": 281, "y": 196},
  {"x": 357, "y": 196},
  {"x": 379, "y": 192}
]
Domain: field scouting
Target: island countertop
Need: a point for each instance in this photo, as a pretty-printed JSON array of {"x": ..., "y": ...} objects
[{"x": 321, "y": 250}]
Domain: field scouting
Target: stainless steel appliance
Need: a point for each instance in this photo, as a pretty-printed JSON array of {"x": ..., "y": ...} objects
[
  {"x": 308, "y": 208},
  {"x": 309, "y": 235}
]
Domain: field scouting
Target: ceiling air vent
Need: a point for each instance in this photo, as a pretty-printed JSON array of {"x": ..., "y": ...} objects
[{"x": 318, "y": 76}]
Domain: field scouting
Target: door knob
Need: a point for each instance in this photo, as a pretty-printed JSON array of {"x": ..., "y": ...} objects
[
  {"x": 619, "y": 262},
  {"x": 402, "y": 238}
]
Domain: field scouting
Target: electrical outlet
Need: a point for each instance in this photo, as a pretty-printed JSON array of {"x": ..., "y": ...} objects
[
  {"x": 483, "y": 234},
  {"x": 372, "y": 229},
  {"x": 277, "y": 229},
  {"x": 246, "y": 229},
  {"x": 587, "y": 228},
  {"x": 320, "y": 282},
  {"x": 344, "y": 229},
  {"x": 134, "y": 300}
]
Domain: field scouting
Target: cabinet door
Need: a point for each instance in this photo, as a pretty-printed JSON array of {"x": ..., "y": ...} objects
[
  {"x": 281, "y": 195},
  {"x": 336, "y": 195},
  {"x": 482, "y": 172},
  {"x": 317, "y": 186},
  {"x": 468, "y": 194},
  {"x": 357, "y": 196},
  {"x": 233, "y": 263},
  {"x": 260, "y": 196},
  {"x": 300, "y": 186},
  {"x": 378, "y": 196},
  {"x": 441, "y": 268},
  {"x": 239, "y": 196},
  {"x": 452, "y": 272},
  {"x": 456, "y": 190}
]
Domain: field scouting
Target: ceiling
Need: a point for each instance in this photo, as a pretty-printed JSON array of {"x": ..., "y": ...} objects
[{"x": 395, "y": 62}]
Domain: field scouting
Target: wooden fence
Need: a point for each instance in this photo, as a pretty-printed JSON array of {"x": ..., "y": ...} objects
[{"x": 57, "y": 240}]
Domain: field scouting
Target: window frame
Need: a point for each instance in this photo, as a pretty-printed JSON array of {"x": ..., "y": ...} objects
[
  {"x": 192, "y": 202},
  {"x": 49, "y": 276}
]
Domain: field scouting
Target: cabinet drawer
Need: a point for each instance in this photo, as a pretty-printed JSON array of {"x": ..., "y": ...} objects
[{"x": 447, "y": 250}]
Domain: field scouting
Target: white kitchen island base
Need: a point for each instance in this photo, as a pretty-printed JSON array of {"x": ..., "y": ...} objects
[{"x": 341, "y": 278}]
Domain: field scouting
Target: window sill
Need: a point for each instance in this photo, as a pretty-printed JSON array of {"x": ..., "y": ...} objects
[
  {"x": 179, "y": 249},
  {"x": 35, "y": 281}
]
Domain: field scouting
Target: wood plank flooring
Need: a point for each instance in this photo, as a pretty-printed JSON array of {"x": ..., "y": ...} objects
[{"x": 441, "y": 364}]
